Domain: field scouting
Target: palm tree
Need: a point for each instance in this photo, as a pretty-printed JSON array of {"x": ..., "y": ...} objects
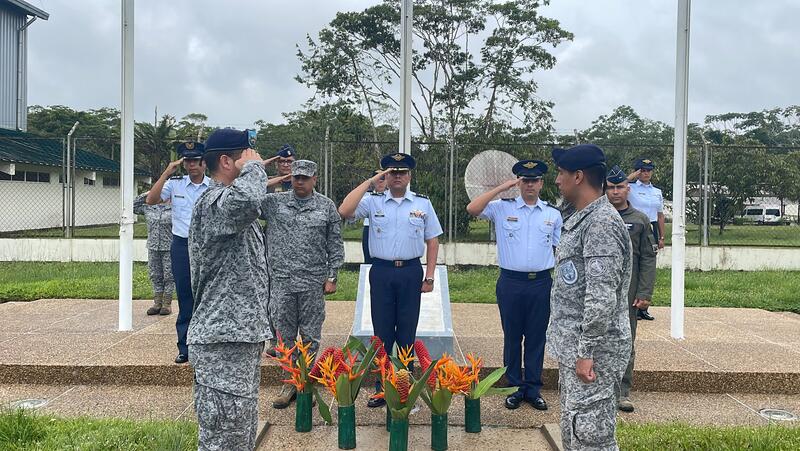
[{"x": 155, "y": 144}]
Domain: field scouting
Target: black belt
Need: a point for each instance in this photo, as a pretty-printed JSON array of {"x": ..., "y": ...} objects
[
  {"x": 520, "y": 275},
  {"x": 396, "y": 263}
]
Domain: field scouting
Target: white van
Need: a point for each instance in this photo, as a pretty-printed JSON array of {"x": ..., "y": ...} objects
[{"x": 759, "y": 214}]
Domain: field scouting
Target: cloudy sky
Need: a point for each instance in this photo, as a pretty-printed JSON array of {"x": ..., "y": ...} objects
[{"x": 235, "y": 60}]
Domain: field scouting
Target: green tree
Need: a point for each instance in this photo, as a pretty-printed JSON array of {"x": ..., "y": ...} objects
[
  {"x": 98, "y": 131},
  {"x": 355, "y": 59},
  {"x": 155, "y": 144}
]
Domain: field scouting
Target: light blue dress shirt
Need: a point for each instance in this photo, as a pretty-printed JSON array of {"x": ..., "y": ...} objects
[
  {"x": 526, "y": 234},
  {"x": 646, "y": 198},
  {"x": 398, "y": 228},
  {"x": 183, "y": 194}
]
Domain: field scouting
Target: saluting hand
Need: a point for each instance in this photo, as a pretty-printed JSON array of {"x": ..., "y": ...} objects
[
  {"x": 584, "y": 368},
  {"x": 375, "y": 178},
  {"x": 173, "y": 166},
  {"x": 509, "y": 184},
  {"x": 269, "y": 161},
  {"x": 634, "y": 175},
  {"x": 247, "y": 155}
]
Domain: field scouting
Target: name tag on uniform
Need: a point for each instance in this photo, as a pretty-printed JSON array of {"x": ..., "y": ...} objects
[
  {"x": 629, "y": 226},
  {"x": 512, "y": 219},
  {"x": 379, "y": 214},
  {"x": 180, "y": 196},
  {"x": 548, "y": 222}
]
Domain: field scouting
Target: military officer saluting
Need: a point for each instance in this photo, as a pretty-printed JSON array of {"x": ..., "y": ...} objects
[
  {"x": 183, "y": 192},
  {"x": 402, "y": 226},
  {"x": 305, "y": 252},
  {"x": 528, "y": 229},
  {"x": 648, "y": 199},
  {"x": 643, "y": 273},
  {"x": 230, "y": 282},
  {"x": 589, "y": 331},
  {"x": 286, "y": 155}
]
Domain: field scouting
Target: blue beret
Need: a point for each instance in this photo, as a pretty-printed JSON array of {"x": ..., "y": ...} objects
[
  {"x": 190, "y": 150},
  {"x": 286, "y": 151},
  {"x": 615, "y": 175},
  {"x": 644, "y": 163},
  {"x": 578, "y": 157},
  {"x": 227, "y": 139},
  {"x": 398, "y": 161},
  {"x": 529, "y": 169}
]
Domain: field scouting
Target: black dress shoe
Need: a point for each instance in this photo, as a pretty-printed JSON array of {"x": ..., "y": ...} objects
[
  {"x": 644, "y": 314},
  {"x": 376, "y": 402},
  {"x": 538, "y": 403},
  {"x": 182, "y": 358},
  {"x": 514, "y": 401}
]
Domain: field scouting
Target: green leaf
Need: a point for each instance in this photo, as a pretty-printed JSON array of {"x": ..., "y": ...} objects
[
  {"x": 392, "y": 397},
  {"x": 343, "y": 394},
  {"x": 487, "y": 382},
  {"x": 397, "y": 363},
  {"x": 419, "y": 385},
  {"x": 504, "y": 391},
  {"x": 354, "y": 344},
  {"x": 322, "y": 406},
  {"x": 426, "y": 396},
  {"x": 441, "y": 401},
  {"x": 364, "y": 367}
]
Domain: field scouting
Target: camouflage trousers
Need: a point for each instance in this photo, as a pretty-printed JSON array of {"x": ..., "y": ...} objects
[
  {"x": 589, "y": 411},
  {"x": 159, "y": 268},
  {"x": 294, "y": 313},
  {"x": 226, "y": 380},
  {"x": 226, "y": 421},
  {"x": 627, "y": 378}
]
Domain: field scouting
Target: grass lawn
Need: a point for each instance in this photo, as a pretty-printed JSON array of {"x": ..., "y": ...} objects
[
  {"x": 683, "y": 437},
  {"x": 769, "y": 290},
  {"x": 20, "y": 430}
]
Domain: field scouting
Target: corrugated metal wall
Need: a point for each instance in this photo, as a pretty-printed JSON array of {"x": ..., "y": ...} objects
[{"x": 11, "y": 21}]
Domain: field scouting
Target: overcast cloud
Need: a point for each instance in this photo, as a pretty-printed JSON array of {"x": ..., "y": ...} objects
[{"x": 235, "y": 60}]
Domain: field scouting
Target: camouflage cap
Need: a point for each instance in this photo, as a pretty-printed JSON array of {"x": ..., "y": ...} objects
[{"x": 304, "y": 167}]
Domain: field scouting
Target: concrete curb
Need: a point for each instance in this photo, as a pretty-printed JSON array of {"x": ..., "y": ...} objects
[
  {"x": 552, "y": 433},
  {"x": 171, "y": 374},
  {"x": 263, "y": 429}
]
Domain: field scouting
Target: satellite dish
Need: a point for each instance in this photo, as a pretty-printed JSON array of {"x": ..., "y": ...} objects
[{"x": 488, "y": 169}]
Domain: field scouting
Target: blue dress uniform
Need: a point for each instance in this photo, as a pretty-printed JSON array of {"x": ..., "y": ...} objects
[
  {"x": 647, "y": 198},
  {"x": 526, "y": 236},
  {"x": 365, "y": 231},
  {"x": 183, "y": 194},
  {"x": 398, "y": 229}
]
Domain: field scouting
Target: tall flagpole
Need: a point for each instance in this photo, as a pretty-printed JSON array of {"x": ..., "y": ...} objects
[
  {"x": 406, "y": 23},
  {"x": 126, "y": 173},
  {"x": 679, "y": 171}
]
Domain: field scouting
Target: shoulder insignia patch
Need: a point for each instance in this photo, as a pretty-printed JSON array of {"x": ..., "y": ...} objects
[{"x": 421, "y": 195}]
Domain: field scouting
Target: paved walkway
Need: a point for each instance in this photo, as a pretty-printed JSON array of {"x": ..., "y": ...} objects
[{"x": 76, "y": 342}]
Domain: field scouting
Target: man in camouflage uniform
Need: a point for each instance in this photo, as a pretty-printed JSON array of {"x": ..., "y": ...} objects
[
  {"x": 643, "y": 275},
  {"x": 305, "y": 252},
  {"x": 589, "y": 332},
  {"x": 159, "y": 240},
  {"x": 230, "y": 286}
]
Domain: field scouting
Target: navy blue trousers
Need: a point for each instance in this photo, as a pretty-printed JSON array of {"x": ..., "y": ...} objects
[
  {"x": 179, "y": 254},
  {"x": 365, "y": 244},
  {"x": 395, "y": 297},
  {"x": 524, "y": 314}
]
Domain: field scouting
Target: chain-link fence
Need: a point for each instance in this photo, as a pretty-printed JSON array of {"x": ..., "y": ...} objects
[{"x": 735, "y": 195}]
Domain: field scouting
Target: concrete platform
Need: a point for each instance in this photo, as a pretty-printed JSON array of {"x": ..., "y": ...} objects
[{"x": 75, "y": 342}]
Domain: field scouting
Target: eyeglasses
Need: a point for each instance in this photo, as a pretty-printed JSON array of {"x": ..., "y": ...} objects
[{"x": 285, "y": 162}]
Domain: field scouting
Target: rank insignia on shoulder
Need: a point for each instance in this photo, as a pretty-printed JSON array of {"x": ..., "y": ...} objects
[
  {"x": 421, "y": 195},
  {"x": 512, "y": 219},
  {"x": 509, "y": 199},
  {"x": 377, "y": 194}
]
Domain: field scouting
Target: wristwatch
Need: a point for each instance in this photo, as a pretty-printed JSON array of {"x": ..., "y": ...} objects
[{"x": 428, "y": 280}]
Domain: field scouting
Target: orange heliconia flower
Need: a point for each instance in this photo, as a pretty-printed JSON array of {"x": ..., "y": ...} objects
[
  {"x": 328, "y": 367},
  {"x": 406, "y": 355},
  {"x": 454, "y": 378},
  {"x": 285, "y": 357}
]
